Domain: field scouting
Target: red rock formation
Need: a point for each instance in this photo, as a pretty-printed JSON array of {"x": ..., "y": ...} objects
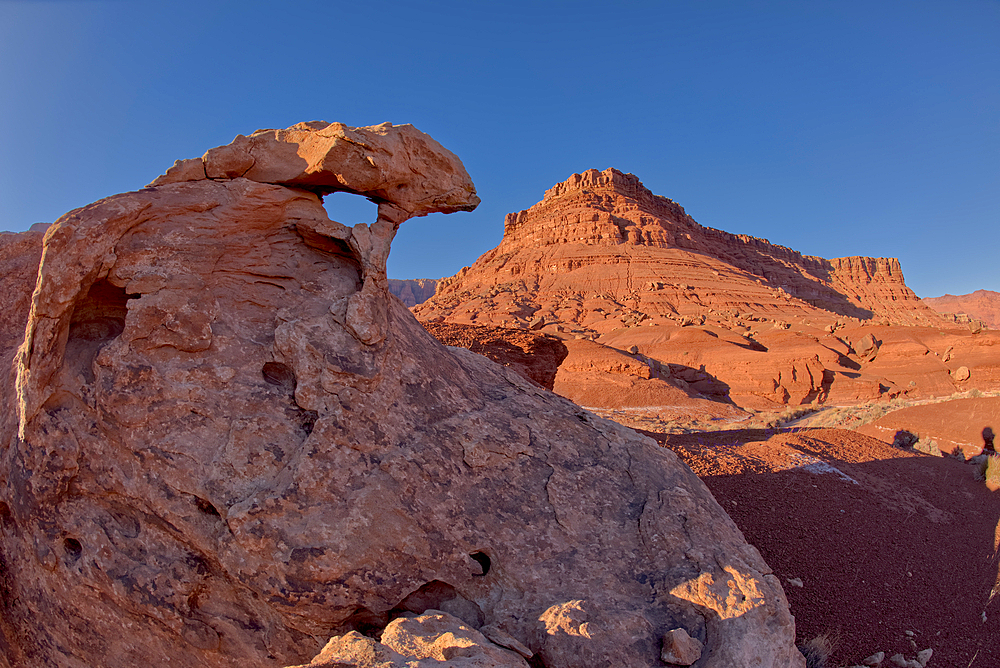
[
  {"x": 227, "y": 442},
  {"x": 602, "y": 258},
  {"x": 535, "y": 357},
  {"x": 413, "y": 291},
  {"x": 604, "y": 232},
  {"x": 983, "y": 305}
]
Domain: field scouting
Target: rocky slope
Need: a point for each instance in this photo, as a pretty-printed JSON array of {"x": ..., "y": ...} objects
[
  {"x": 730, "y": 317},
  {"x": 983, "y": 305},
  {"x": 226, "y": 442},
  {"x": 883, "y": 549}
]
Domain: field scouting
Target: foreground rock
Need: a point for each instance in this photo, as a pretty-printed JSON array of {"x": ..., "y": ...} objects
[{"x": 227, "y": 443}]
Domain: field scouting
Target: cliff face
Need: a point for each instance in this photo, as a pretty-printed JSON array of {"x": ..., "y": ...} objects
[{"x": 413, "y": 291}]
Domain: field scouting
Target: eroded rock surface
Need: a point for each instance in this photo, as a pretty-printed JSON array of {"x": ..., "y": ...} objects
[{"x": 227, "y": 443}]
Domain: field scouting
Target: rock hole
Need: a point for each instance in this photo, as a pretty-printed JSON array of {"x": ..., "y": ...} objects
[
  {"x": 73, "y": 549},
  {"x": 307, "y": 420},
  {"x": 350, "y": 209},
  {"x": 100, "y": 316},
  {"x": 6, "y": 516},
  {"x": 279, "y": 375},
  {"x": 206, "y": 507},
  {"x": 97, "y": 319},
  {"x": 366, "y": 622},
  {"x": 438, "y": 595},
  {"x": 483, "y": 560}
]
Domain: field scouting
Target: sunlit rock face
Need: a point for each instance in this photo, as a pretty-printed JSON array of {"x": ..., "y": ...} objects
[{"x": 226, "y": 443}]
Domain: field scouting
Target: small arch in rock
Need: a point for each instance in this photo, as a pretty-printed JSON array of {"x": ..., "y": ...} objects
[{"x": 349, "y": 209}]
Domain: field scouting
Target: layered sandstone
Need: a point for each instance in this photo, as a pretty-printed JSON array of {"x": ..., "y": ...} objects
[
  {"x": 227, "y": 443},
  {"x": 732, "y": 317}
]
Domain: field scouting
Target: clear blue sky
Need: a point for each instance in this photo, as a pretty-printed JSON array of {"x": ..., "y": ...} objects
[{"x": 833, "y": 127}]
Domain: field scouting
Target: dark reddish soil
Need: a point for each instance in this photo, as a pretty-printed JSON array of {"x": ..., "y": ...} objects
[
  {"x": 534, "y": 356},
  {"x": 911, "y": 546}
]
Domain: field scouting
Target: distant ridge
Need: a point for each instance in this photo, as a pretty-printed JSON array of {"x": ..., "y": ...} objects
[
  {"x": 981, "y": 305},
  {"x": 413, "y": 291}
]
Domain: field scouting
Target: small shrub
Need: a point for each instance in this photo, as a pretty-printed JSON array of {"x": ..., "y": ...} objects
[
  {"x": 975, "y": 393},
  {"x": 928, "y": 447},
  {"x": 987, "y": 468},
  {"x": 904, "y": 439},
  {"x": 958, "y": 453},
  {"x": 818, "y": 650},
  {"x": 991, "y": 471}
]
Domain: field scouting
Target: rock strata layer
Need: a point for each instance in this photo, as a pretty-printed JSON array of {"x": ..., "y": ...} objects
[{"x": 225, "y": 443}]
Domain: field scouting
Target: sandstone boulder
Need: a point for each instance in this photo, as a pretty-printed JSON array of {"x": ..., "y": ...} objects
[
  {"x": 432, "y": 640},
  {"x": 227, "y": 442},
  {"x": 867, "y": 347}
]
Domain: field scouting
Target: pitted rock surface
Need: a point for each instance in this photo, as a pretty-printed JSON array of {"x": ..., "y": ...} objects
[{"x": 227, "y": 443}]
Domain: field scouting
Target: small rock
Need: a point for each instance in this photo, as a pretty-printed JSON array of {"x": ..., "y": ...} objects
[
  {"x": 909, "y": 633},
  {"x": 924, "y": 656},
  {"x": 500, "y": 637},
  {"x": 680, "y": 648},
  {"x": 795, "y": 582},
  {"x": 875, "y": 659},
  {"x": 962, "y": 373},
  {"x": 899, "y": 660},
  {"x": 634, "y": 350}
]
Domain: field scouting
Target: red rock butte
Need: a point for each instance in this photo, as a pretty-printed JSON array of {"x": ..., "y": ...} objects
[{"x": 720, "y": 316}]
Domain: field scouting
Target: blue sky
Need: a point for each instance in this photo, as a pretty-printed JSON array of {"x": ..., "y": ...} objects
[{"x": 834, "y": 128}]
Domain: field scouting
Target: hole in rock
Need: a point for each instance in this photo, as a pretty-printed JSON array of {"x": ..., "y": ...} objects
[
  {"x": 206, "y": 507},
  {"x": 6, "y": 516},
  {"x": 366, "y": 622},
  {"x": 279, "y": 375},
  {"x": 438, "y": 595},
  {"x": 73, "y": 549},
  {"x": 97, "y": 319},
  {"x": 100, "y": 316},
  {"x": 307, "y": 420},
  {"x": 483, "y": 560},
  {"x": 350, "y": 209}
]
